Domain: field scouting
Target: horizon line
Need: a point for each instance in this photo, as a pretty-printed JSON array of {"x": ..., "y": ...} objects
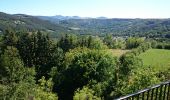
[{"x": 86, "y": 17}]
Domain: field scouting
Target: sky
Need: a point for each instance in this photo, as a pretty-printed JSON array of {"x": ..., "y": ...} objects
[{"x": 89, "y": 8}]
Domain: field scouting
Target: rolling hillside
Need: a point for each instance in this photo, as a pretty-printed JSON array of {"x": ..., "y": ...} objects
[
  {"x": 93, "y": 26},
  {"x": 115, "y": 26},
  {"x": 21, "y": 22},
  {"x": 139, "y": 27}
]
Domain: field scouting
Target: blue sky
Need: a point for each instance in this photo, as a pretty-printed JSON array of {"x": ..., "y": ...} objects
[{"x": 89, "y": 8}]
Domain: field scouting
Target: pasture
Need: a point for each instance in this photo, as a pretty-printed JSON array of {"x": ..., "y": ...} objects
[{"x": 158, "y": 58}]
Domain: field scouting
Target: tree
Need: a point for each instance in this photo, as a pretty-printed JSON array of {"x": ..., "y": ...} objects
[
  {"x": 15, "y": 78},
  {"x": 44, "y": 90},
  {"x": 139, "y": 79},
  {"x": 129, "y": 62},
  {"x": 18, "y": 82},
  {"x": 11, "y": 66},
  {"x": 69, "y": 41},
  {"x": 133, "y": 42},
  {"x": 108, "y": 40},
  {"x": 10, "y": 38},
  {"x": 94, "y": 42},
  {"x": 81, "y": 66},
  {"x": 27, "y": 47},
  {"x": 37, "y": 49}
]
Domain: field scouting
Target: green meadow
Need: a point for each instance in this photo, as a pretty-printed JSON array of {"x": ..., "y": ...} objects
[{"x": 158, "y": 58}]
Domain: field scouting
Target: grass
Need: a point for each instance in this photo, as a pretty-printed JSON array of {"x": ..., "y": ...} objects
[
  {"x": 158, "y": 58},
  {"x": 118, "y": 52}
]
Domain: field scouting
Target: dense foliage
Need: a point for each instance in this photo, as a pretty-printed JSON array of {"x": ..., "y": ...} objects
[
  {"x": 85, "y": 67},
  {"x": 35, "y": 66}
]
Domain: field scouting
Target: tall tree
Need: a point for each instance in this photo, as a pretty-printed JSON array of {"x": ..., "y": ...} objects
[
  {"x": 11, "y": 66},
  {"x": 69, "y": 41},
  {"x": 26, "y": 46},
  {"x": 37, "y": 49},
  {"x": 9, "y": 39}
]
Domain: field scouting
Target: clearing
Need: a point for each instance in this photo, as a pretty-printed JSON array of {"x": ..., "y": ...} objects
[
  {"x": 158, "y": 58},
  {"x": 118, "y": 52}
]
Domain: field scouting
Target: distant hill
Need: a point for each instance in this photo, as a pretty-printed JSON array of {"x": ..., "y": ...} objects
[
  {"x": 115, "y": 26},
  {"x": 58, "y": 18},
  {"x": 140, "y": 27},
  {"x": 21, "y": 22},
  {"x": 86, "y": 25}
]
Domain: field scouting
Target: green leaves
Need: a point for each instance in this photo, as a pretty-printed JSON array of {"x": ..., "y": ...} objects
[
  {"x": 85, "y": 94},
  {"x": 12, "y": 65},
  {"x": 46, "y": 85},
  {"x": 129, "y": 62},
  {"x": 133, "y": 42},
  {"x": 139, "y": 79},
  {"x": 83, "y": 65}
]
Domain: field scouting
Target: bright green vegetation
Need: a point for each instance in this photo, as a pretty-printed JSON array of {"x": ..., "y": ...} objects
[{"x": 159, "y": 58}]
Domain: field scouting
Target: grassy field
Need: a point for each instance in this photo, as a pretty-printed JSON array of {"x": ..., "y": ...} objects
[
  {"x": 158, "y": 58},
  {"x": 118, "y": 52}
]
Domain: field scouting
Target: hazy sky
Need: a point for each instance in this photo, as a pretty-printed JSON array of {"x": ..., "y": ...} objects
[{"x": 89, "y": 8}]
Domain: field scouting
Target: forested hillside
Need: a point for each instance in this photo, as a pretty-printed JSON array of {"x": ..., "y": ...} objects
[
  {"x": 118, "y": 27},
  {"x": 93, "y": 26},
  {"x": 25, "y": 23}
]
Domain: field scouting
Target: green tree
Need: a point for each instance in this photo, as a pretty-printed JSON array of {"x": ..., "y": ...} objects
[
  {"x": 85, "y": 94},
  {"x": 81, "y": 66},
  {"x": 94, "y": 42},
  {"x": 133, "y": 42},
  {"x": 108, "y": 40},
  {"x": 10, "y": 38},
  {"x": 69, "y": 41},
  {"x": 37, "y": 49},
  {"x": 15, "y": 78},
  {"x": 138, "y": 79},
  {"x": 11, "y": 66},
  {"x": 27, "y": 47},
  {"x": 129, "y": 62},
  {"x": 44, "y": 90}
]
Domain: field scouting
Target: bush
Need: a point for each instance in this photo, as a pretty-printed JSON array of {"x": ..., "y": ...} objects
[
  {"x": 138, "y": 79},
  {"x": 129, "y": 62},
  {"x": 167, "y": 46}
]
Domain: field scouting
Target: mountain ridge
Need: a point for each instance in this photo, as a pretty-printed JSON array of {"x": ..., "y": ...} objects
[
  {"x": 27, "y": 22},
  {"x": 81, "y": 25}
]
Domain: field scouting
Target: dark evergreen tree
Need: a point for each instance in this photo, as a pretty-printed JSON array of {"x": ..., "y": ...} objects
[
  {"x": 69, "y": 41},
  {"x": 11, "y": 67},
  {"x": 8, "y": 39}
]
